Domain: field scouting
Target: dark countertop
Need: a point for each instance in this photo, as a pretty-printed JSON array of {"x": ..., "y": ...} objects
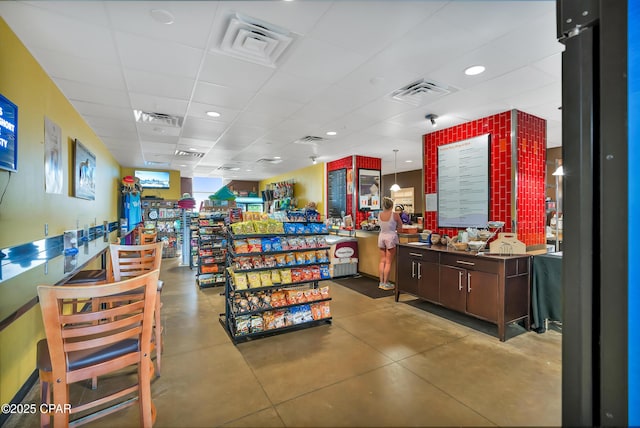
[{"x": 446, "y": 249}]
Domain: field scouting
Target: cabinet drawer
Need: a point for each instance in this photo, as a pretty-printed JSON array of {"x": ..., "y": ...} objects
[
  {"x": 519, "y": 266},
  {"x": 471, "y": 263},
  {"x": 420, "y": 254}
]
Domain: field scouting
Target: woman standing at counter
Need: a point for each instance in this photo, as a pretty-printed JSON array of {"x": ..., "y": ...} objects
[{"x": 390, "y": 225}]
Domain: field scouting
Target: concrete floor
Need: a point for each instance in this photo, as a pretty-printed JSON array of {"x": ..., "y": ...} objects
[{"x": 380, "y": 363}]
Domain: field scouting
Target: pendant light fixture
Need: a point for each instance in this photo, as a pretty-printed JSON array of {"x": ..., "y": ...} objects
[{"x": 395, "y": 187}]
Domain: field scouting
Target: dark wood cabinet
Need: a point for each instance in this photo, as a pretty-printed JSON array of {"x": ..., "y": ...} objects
[{"x": 490, "y": 287}]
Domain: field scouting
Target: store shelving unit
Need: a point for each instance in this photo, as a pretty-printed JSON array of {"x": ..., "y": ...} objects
[
  {"x": 273, "y": 281},
  {"x": 161, "y": 215},
  {"x": 194, "y": 243},
  {"x": 212, "y": 250}
]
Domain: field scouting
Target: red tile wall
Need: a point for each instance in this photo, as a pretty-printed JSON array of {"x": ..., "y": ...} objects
[
  {"x": 531, "y": 138},
  {"x": 532, "y": 158}
]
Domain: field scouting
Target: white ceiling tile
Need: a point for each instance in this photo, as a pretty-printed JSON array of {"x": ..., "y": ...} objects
[
  {"x": 262, "y": 120},
  {"x": 264, "y": 103},
  {"x": 321, "y": 61},
  {"x": 140, "y": 53},
  {"x": 158, "y": 84},
  {"x": 191, "y": 25},
  {"x": 77, "y": 91},
  {"x": 88, "y": 11},
  {"x": 235, "y": 99},
  {"x": 517, "y": 82},
  {"x": 293, "y": 88},
  {"x": 199, "y": 111},
  {"x": 60, "y": 65},
  {"x": 551, "y": 65},
  {"x": 203, "y": 129},
  {"x": 367, "y": 30},
  {"x": 191, "y": 144},
  {"x": 228, "y": 71},
  {"x": 158, "y": 148},
  {"x": 97, "y": 110}
]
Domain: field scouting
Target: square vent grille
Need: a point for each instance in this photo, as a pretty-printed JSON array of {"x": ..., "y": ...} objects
[
  {"x": 269, "y": 160},
  {"x": 254, "y": 40},
  {"x": 416, "y": 93},
  {"x": 185, "y": 153},
  {"x": 161, "y": 119},
  {"x": 309, "y": 140},
  {"x": 228, "y": 168}
]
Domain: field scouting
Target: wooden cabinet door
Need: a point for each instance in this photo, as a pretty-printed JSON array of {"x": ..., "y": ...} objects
[
  {"x": 429, "y": 282},
  {"x": 453, "y": 287},
  {"x": 482, "y": 295},
  {"x": 407, "y": 277}
]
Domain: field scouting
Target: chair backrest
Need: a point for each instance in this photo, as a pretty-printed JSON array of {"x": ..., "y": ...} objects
[
  {"x": 148, "y": 237},
  {"x": 129, "y": 261},
  {"x": 71, "y": 336}
]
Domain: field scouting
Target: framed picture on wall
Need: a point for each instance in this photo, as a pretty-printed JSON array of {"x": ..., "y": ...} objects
[
  {"x": 369, "y": 189},
  {"x": 84, "y": 166}
]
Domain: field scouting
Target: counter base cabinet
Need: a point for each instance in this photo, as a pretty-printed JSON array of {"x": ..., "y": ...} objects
[{"x": 491, "y": 288}]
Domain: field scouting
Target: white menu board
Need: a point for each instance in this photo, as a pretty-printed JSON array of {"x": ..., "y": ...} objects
[{"x": 463, "y": 183}]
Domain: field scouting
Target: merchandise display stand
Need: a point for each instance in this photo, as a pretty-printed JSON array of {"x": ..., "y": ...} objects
[
  {"x": 193, "y": 240},
  {"x": 273, "y": 278},
  {"x": 161, "y": 215},
  {"x": 212, "y": 249}
]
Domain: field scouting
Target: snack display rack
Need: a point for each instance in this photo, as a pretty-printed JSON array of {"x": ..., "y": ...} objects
[
  {"x": 194, "y": 243},
  {"x": 212, "y": 249},
  {"x": 161, "y": 215},
  {"x": 273, "y": 278}
]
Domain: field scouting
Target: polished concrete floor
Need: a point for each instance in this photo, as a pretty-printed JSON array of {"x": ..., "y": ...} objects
[{"x": 380, "y": 363}]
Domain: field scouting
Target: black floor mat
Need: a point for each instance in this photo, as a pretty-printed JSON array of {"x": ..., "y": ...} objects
[{"x": 364, "y": 285}]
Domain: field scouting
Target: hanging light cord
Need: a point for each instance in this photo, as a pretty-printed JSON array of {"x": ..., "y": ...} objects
[{"x": 5, "y": 188}]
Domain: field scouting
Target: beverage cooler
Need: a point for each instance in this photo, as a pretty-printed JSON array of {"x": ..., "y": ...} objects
[{"x": 250, "y": 204}]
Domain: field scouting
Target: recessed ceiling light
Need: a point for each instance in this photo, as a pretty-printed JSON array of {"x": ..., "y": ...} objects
[
  {"x": 277, "y": 157},
  {"x": 192, "y": 148},
  {"x": 474, "y": 70},
  {"x": 213, "y": 114},
  {"x": 162, "y": 16},
  {"x": 249, "y": 170},
  {"x": 182, "y": 165},
  {"x": 408, "y": 161},
  {"x": 332, "y": 133}
]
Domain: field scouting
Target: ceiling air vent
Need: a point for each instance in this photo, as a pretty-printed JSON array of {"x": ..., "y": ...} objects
[
  {"x": 254, "y": 40},
  {"x": 189, "y": 154},
  {"x": 417, "y": 92},
  {"x": 309, "y": 140},
  {"x": 157, "y": 119},
  {"x": 269, "y": 160},
  {"x": 228, "y": 168}
]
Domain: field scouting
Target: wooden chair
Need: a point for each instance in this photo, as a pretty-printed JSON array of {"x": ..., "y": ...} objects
[
  {"x": 148, "y": 237},
  {"x": 94, "y": 342},
  {"x": 130, "y": 261}
]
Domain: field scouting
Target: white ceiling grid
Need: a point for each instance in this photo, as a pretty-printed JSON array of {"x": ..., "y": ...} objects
[{"x": 344, "y": 60}]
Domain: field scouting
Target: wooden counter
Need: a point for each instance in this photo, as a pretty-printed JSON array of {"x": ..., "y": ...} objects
[
  {"x": 369, "y": 253},
  {"x": 491, "y": 287}
]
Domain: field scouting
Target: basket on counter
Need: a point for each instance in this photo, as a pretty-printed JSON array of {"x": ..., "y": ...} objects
[{"x": 460, "y": 246}]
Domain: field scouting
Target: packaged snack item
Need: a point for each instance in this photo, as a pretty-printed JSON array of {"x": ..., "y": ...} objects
[
  {"x": 275, "y": 276},
  {"x": 256, "y": 324},
  {"x": 315, "y": 294},
  {"x": 284, "y": 244},
  {"x": 269, "y": 320},
  {"x": 300, "y": 258},
  {"x": 240, "y": 281},
  {"x": 265, "y": 300},
  {"x": 242, "y": 325},
  {"x": 316, "y": 311},
  {"x": 321, "y": 242},
  {"x": 297, "y": 275},
  {"x": 254, "y": 302},
  {"x": 281, "y": 260},
  {"x": 324, "y": 292},
  {"x": 310, "y": 241},
  {"x": 299, "y": 228},
  {"x": 240, "y": 246},
  {"x": 321, "y": 256},
  {"x": 265, "y": 278},
  {"x": 289, "y": 228},
  {"x": 254, "y": 245},
  {"x": 309, "y": 257},
  {"x": 275, "y": 244},
  {"x": 279, "y": 319},
  {"x": 288, "y": 317},
  {"x": 307, "y": 275},
  {"x": 286, "y": 276},
  {"x": 269, "y": 261},
  {"x": 305, "y": 312},
  {"x": 315, "y": 271},
  {"x": 325, "y": 273},
  {"x": 266, "y": 245},
  {"x": 290, "y": 259},
  {"x": 326, "y": 309},
  {"x": 308, "y": 295},
  {"x": 254, "y": 279},
  {"x": 294, "y": 243}
]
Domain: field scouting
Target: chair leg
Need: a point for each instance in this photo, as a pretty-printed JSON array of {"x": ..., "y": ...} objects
[
  {"x": 60, "y": 397},
  {"x": 158, "y": 333},
  {"x": 45, "y": 398},
  {"x": 144, "y": 392}
]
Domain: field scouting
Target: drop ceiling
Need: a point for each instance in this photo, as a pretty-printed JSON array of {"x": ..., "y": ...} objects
[{"x": 281, "y": 74}]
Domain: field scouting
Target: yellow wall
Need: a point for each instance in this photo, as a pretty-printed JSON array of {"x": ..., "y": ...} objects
[
  {"x": 309, "y": 185},
  {"x": 169, "y": 194},
  {"x": 26, "y": 208}
]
